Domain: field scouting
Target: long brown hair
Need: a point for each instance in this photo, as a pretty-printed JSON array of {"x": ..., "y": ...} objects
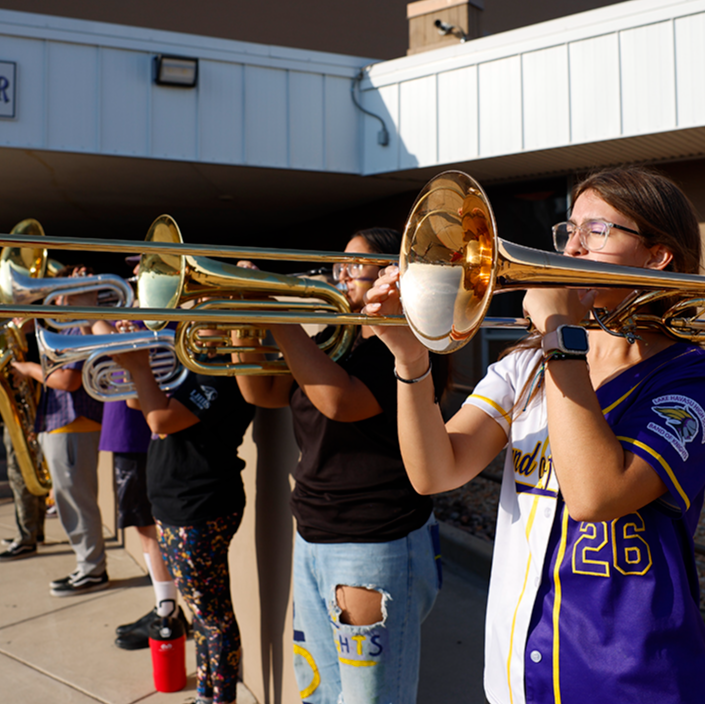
[{"x": 662, "y": 213}]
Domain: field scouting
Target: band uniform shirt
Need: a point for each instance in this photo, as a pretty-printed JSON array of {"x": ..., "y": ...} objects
[
  {"x": 193, "y": 475},
  {"x": 351, "y": 485},
  {"x": 607, "y": 611}
]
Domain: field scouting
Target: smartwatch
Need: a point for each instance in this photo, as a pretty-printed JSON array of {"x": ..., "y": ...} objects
[{"x": 571, "y": 340}]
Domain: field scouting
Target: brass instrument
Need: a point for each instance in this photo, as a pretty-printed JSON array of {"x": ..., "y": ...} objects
[
  {"x": 452, "y": 262},
  {"x": 103, "y": 378},
  {"x": 166, "y": 280},
  {"x": 19, "y": 396},
  {"x": 18, "y": 285}
]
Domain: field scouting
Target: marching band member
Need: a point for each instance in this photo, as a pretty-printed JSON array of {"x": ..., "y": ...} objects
[
  {"x": 366, "y": 544},
  {"x": 68, "y": 422},
  {"x": 197, "y": 496},
  {"x": 594, "y": 590}
]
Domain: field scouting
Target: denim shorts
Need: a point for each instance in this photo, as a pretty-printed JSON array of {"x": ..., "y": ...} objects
[{"x": 336, "y": 662}]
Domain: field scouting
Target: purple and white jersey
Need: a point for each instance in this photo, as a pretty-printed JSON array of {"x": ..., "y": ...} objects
[{"x": 607, "y": 611}]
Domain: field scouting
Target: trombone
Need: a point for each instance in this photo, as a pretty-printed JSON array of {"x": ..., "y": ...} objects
[{"x": 452, "y": 263}]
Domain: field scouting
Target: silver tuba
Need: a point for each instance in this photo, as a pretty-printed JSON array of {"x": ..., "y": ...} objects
[{"x": 102, "y": 377}]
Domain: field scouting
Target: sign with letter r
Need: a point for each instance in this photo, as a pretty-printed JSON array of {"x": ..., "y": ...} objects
[{"x": 8, "y": 71}]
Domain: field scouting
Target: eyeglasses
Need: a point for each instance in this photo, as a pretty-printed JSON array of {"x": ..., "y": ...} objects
[
  {"x": 354, "y": 270},
  {"x": 593, "y": 234}
]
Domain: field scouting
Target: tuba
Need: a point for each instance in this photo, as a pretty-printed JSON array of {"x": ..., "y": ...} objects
[{"x": 18, "y": 397}]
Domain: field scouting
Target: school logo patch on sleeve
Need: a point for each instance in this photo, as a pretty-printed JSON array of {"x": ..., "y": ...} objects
[{"x": 684, "y": 418}]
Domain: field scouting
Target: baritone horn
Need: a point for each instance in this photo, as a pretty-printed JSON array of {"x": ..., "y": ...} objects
[
  {"x": 166, "y": 281},
  {"x": 102, "y": 377}
]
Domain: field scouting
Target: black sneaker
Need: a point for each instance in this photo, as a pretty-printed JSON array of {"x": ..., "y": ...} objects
[
  {"x": 80, "y": 584},
  {"x": 9, "y": 542},
  {"x": 146, "y": 619},
  {"x": 18, "y": 550},
  {"x": 136, "y": 635},
  {"x": 60, "y": 582}
]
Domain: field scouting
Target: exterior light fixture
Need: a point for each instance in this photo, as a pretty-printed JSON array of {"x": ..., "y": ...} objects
[{"x": 179, "y": 71}]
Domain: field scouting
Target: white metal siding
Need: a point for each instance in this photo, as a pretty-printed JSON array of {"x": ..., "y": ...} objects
[
  {"x": 220, "y": 112},
  {"x": 306, "y": 127},
  {"x": 457, "y": 115},
  {"x": 72, "y": 80},
  {"x": 630, "y": 69},
  {"x": 546, "y": 98},
  {"x": 627, "y": 70},
  {"x": 500, "y": 107},
  {"x": 87, "y": 87},
  {"x": 27, "y": 129},
  {"x": 418, "y": 127},
  {"x": 124, "y": 102},
  {"x": 648, "y": 85},
  {"x": 385, "y": 103},
  {"x": 690, "y": 70},
  {"x": 595, "y": 95},
  {"x": 342, "y": 127}
]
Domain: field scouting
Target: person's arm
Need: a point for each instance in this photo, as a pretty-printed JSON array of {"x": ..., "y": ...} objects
[
  {"x": 437, "y": 456},
  {"x": 164, "y": 415},
  {"x": 598, "y": 478},
  {"x": 335, "y": 393},
  {"x": 267, "y": 391},
  {"x": 64, "y": 379}
]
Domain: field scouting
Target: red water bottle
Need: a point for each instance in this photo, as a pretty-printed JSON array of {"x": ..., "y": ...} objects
[{"x": 167, "y": 642}]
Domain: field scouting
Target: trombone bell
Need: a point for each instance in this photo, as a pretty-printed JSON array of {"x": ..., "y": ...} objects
[{"x": 447, "y": 262}]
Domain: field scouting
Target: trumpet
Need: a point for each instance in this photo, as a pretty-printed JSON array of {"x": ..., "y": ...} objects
[
  {"x": 103, "y": 378},
  {"x": 452, "y": 263}
]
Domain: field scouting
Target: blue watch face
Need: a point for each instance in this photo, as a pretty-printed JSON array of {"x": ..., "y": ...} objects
[{"x": 574, "y": 339}]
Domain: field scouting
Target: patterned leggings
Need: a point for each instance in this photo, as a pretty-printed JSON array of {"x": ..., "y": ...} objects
[{"x": 197, "y": 559}]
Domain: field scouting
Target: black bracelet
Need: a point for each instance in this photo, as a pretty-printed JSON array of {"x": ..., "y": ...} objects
[
  {"x": 416, "y": 379},
  {"x": 558, "y": 355}
]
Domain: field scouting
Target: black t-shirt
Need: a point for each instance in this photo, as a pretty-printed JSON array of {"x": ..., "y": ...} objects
[
  {"x": 193, "y": 476},
  {"x": 351, "y": 485}
]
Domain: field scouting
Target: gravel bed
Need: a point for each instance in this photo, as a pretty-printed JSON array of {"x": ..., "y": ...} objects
[{"x": 473, "y": 508}]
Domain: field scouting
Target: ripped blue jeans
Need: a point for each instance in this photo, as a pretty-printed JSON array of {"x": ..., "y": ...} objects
[{"x": 379, "y": 663}]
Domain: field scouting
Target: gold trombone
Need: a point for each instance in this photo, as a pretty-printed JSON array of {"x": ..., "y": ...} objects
[{"x": 452, "y": 263}]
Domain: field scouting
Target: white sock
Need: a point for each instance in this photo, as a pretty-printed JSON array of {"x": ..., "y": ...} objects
[
  {"x": 166, "y": 595},
  {"x": 148, "y": 561}
]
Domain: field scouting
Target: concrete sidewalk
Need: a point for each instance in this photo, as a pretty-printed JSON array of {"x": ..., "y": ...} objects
[{"x": 61, "y": 650}]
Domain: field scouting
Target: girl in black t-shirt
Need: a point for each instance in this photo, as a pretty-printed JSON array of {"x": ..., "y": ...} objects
[
  {"x": 364, "y": 559},
  {"x": 194, "y": 485}
]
